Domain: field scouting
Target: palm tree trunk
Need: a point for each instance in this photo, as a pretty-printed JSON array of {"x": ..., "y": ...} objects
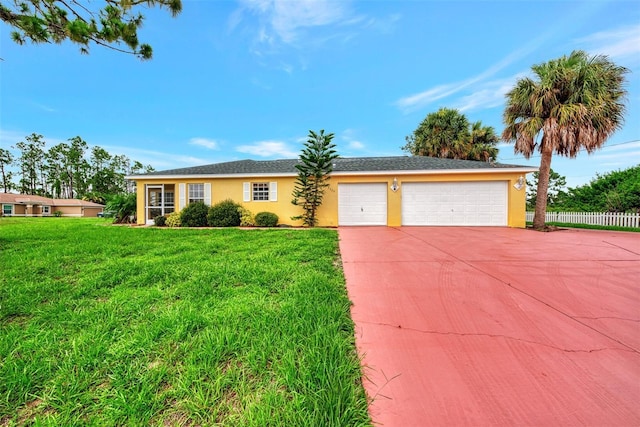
[{"x": 543, "y": 188}]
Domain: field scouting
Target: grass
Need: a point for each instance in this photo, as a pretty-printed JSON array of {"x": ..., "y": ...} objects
[
  {"x": 106, "y": 325},
  {"x": 591, "y": 227}
]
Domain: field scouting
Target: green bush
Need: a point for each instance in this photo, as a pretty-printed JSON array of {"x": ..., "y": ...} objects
[
  {"x": 160, "y": 221},
  {"x": 57, "y": 214},
  {"x": 246, "y": 217},
  {"x": 124, "y": 208},
  {"x": 194, "y": 215},
  {"x": 224, "y": 214},
  {"x": 266, "y": 219},
  {"x": 173, "y": 220}
]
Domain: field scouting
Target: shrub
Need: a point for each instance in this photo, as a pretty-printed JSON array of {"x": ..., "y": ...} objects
[
  {"x": 194, "y": 215},
  {"x": 160, "y": 221},
  {"x": 173, "y": 220},
  {"x": 266, "y": 219},
  {"x": 124, "y": 208},
  {"x": 224, "y": 214},
  {"x": 57, "y": 214},
  {"x": 246, "y": 217}
]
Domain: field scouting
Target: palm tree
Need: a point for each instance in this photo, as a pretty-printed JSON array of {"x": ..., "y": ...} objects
[
  {"x": 448, "y": 134},
  {"x": 572, "y": 103}
]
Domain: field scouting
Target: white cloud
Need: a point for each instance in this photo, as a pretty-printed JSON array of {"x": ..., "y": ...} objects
[
  {"x": 489, "y": 94},
  {"x": 621, "y": 43},
  {"x": 210, "y": 144},
  {"x": 284, "y": 19},
  {"x": 268, "y": 149},
  {"x": 356, "y": 145},
  {"x": 348, "y": 135},
  {"x": 419, "y": 100}
]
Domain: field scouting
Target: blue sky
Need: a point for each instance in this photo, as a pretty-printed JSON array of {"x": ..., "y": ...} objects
[{"x": 247, "y": 79}]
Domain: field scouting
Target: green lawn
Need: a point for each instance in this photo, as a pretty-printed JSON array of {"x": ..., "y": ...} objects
[{"x": 108, "y": 325}]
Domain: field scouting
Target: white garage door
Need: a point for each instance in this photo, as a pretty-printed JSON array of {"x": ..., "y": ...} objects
[
  {"x": 454, "y": 203},
  {"x": 362, "y": 204}
]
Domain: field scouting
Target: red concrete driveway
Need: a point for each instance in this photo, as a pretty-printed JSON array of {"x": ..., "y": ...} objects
[{"x": 496, "y": 326}]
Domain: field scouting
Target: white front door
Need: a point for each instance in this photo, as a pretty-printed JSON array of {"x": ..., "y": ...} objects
[
  {"x": 362, "y": 204},
  {"x": 471, "y": 203}
]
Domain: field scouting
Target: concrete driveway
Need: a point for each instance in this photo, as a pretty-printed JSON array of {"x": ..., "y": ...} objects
[{"x": 496, "y": 326}]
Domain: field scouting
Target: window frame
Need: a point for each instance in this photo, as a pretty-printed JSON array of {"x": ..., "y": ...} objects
[
  {"x": 268, "y": 193},
  {"x": 4, "y": 212},
  {"x": 192, "y": 197}
]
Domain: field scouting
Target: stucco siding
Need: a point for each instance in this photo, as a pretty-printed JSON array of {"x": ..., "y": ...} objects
[{"x": 232, "y": 188}]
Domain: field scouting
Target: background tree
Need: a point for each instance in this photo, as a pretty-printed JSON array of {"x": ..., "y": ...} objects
[
  {"x": 30, "y": 163},
  {"x": 617, "y": 191},
  {"x": 313, "y": 175},
  {"x": 573, "y": 103},
  {"x": 54, "y": 21},
  {"x": 555, "y": 193},
  {"x": 448, "y": 134},
  {"x": 6, "y": 160}
]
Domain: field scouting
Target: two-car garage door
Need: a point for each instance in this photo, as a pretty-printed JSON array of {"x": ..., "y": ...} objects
[
  {"x": 454, "y": 203},
  {"x": 426, "y": 203}
]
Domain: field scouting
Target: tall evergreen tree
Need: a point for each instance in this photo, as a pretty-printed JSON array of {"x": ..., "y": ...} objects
[
  {"x": 314, "y": 169},
  {"x": 6, "y": 160}
]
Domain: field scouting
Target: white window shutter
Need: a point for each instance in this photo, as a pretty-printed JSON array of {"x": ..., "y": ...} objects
[
  {"x": 182, "y": 201},
  {"x": 207, "y": 193},
  {"x": 273, "y": 191},
  {"x": 246, "y": 191}
]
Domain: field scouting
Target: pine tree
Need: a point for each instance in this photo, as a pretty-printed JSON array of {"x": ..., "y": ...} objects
[{"x": 314, "y": 169}]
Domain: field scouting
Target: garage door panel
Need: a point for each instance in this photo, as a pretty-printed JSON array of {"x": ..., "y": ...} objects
[
  {"x": 362, "y": 204},
  {"x": 454, "y": 203}
]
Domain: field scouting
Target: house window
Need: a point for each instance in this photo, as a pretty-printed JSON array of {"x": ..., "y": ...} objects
[
  {"x": 196, "y": 193},
  {"x": 168, "y": 199},
  {"x": 260, "y": 191},
  {"x": 7, "y": 210},
  {"x": 46, "y": 210}
]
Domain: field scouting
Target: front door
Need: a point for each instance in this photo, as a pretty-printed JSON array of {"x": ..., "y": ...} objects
[{"x": 159, "y": 201}]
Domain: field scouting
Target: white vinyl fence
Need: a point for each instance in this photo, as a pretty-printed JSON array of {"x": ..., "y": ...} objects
[{"x": 592, "y": 218}]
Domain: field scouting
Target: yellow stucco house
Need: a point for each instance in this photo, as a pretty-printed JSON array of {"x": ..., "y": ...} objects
[{"x": 387, "y": 191}]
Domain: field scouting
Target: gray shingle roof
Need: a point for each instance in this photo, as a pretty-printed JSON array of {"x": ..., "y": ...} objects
[{"x": 347, "y": 164}]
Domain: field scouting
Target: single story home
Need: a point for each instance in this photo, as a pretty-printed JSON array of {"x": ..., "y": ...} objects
[
  {"x": 30, "y": 205},
  {"x": 388, "y": 191}
]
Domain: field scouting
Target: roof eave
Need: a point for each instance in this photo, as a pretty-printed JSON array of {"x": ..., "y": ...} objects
[{"x": 339, "y": 173}]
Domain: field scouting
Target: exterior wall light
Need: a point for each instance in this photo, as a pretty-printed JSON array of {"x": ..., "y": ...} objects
[
  {"x": 394, "y": 185},
  {"x": 519, "y": 183}
]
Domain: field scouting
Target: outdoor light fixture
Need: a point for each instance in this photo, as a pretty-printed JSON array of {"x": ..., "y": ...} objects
[
  {"x": 394, "y": 185},
  {"x": 519, "y": 183}
]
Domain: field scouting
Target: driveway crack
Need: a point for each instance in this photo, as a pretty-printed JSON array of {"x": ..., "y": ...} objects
[{"x": 487, "y": 335}]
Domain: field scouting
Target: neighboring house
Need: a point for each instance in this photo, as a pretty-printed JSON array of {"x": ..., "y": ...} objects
[
  {"x": 29, "y": 205},
  {"x": 390, "y": 191}
]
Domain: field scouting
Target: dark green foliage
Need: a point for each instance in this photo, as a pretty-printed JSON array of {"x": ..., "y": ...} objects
[
  {"x": 555, "y": 193},
  {"x": 266, "y": 219},
  {"x": 316, "y": 164},
  {"x": 160, "y": 221},
  {"x": 65, "y": 172},
  {"x": 617, "y": 191},
  {"x": 448, "y": 134},
  {"x": 224, "y": 214},
  {"x": 194, "y": 215},
  {"x": 123, "y": 207},
  {"x": 54, "y": 21},
  {"x": 569, "y": 105}
]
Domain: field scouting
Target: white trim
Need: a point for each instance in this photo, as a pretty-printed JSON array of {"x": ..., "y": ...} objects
[
  {"x": 182, "y": 201},
  {"x": 345, "y": 173},
  {"x": 273, "y": 191},
  {"x": 246, "y": 191},
  {"x": 207, "y": 193}
]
